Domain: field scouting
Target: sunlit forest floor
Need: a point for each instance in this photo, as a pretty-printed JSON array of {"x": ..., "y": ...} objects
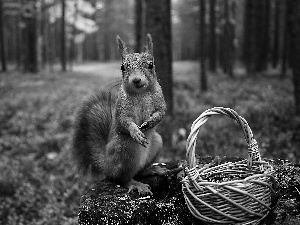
[{"x": 37, "y": 181}]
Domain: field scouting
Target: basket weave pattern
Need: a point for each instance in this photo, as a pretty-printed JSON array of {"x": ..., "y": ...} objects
[{"x": 229, "y": 193}]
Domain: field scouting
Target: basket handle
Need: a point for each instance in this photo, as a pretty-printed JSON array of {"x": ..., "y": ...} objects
[{"x": 253, "y": 152}]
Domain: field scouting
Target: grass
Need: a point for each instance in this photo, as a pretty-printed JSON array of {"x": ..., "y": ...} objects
[{"x": 38, "y": 184}]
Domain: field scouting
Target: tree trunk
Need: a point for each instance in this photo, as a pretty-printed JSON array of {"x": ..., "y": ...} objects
[
  {"x": 72, "y": 44},
  {"x": 43, "y": 25},
  {"x": 19, "y": 39},
  {"x": 276, "y": 34},
  {"x": 30, "y": 38},
  {"x": 264, "y": 53},
  {"x": 202, "y": 29},
  {"x": 249, "y": 36},
  {"x": 286, "y": 44},
  {"x": 56, "y": 35},
  {"x": 262, "y": 34},
  {"x": 47, "y": 41},
  {"x": 256, "y": 35},
  {"x": 106, "y": 30},
  {"x": 228, "y": 39},
  {"x": 139, "y": 24},
  {"x": 293, "y": 9},
  {"x": 158, "y": 24},
  {"x": 63, "y": 36},
  {"x": 213, "y": 50},
  {"x": 3, "y": 58},
  {"x": 51, "y": 46}
]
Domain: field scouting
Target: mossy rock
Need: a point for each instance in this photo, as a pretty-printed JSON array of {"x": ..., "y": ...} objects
[{"x": 108, "y": 203}]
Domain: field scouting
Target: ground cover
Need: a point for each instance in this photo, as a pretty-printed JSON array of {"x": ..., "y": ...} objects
[{"x": 38, "y": 183}]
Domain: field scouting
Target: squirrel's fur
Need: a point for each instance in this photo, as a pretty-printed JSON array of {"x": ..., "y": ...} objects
[{"x": 115, "y": 133}]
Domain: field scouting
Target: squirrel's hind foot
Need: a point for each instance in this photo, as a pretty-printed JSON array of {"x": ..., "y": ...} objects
[{"x": 143, "y": 189}]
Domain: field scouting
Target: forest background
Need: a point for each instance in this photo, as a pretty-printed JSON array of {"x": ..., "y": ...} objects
[{"x": 241, "y": 54}]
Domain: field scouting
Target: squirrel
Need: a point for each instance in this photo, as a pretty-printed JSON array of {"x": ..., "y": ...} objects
[{"x": 115, "y": 135}]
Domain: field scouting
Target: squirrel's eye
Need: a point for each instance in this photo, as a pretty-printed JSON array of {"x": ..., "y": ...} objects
[
  {"x": 123, "y": 68},
  {"x": 150, "y": 65}
]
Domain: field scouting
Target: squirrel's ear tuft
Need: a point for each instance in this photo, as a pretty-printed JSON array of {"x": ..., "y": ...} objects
[
  {"x": 122, "y": 47},
  {"x": 149, "y": 45}
]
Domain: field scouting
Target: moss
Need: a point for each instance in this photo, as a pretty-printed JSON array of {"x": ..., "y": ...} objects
[{"x": 107, "y": 203}]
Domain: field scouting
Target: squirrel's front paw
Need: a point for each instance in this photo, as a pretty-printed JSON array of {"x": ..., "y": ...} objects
[{"x": 139, "y": 137}]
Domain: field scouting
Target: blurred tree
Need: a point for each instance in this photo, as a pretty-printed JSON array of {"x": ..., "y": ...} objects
[
  {"x": 264, "y": 54},
  {"x": 29, "y": 37},
  {"x": 262, "y": 35},
  {"x": 42, "y": 34},
  {"x": 228, "y": 36},
  {"x": 202, "y": 44},
  {"x": 48, "y": 33},
  {"x": 213, "y": 50},
  {"x": 112, "y": 18},
  {"x": 293, "y": 9},
  {"x": 276, "y": 34},
  {"x": 44, "y": 30},
  {"x": 107, "y": 19},
  {"x": 19, "y": 39},
  {"x": 63, "y": 37},
  {"x": 139, "y": 24},
  {"x": 286, "y": 42},
  {"x": 3, "y": 58},
  {"x": 248, "y": 27},
  {"x": 185, "y": 18},
  {"x": 256, "y": 35},
  {"x": 158, "y": 24},
  {"x": 73, "y": 35}
]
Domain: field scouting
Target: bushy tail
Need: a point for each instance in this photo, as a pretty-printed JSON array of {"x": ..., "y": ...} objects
[{"x": 92, "y": 127}]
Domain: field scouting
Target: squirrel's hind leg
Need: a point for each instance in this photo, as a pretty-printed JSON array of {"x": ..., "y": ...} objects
[{"x": 155, "y": 148}]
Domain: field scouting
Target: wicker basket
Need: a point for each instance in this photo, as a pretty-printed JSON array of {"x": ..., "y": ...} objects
[{"x": 233, "y": 192}]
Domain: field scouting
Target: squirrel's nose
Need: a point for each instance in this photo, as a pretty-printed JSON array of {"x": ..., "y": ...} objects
[{"x": 136, "y": 80}]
